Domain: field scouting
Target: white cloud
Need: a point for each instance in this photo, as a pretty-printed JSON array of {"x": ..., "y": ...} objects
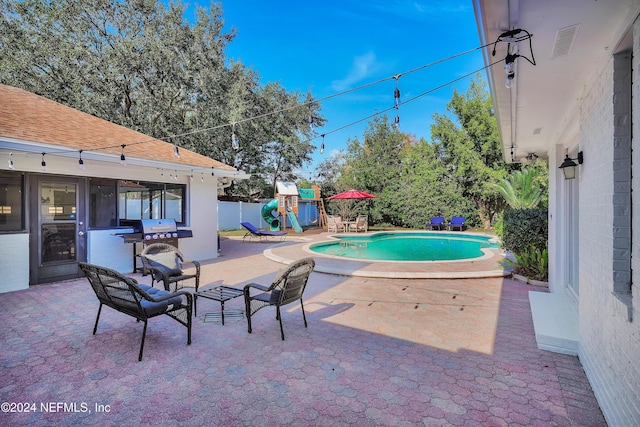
[{"x": 361, "y": 68}]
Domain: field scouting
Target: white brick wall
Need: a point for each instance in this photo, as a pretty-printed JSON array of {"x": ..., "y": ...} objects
[{"x": 609, "y": 339}]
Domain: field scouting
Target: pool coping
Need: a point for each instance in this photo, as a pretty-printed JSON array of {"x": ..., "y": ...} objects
[{"x": 487, "y": 265}]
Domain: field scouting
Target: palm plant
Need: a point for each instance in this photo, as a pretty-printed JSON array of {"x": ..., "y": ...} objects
[{"x": 522, "y": 189}]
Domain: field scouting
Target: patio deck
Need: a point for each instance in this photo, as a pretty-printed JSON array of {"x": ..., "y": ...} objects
[{"x": 377, "y": 352}]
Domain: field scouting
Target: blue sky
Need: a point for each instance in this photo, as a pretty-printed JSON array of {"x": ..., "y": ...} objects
[{"x": 332, "y": 46}]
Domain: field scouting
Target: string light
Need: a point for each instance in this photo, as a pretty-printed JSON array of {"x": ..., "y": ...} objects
[
  {"x": 81, "y": 164},
  {"x": 322, "y": 145},
  {"x": 176, "y": 151},
  {"x": 11, "y": 165},
  {"x": 43, "y": 163},
  {"x": 396, "y": 103},
  {"x": 234, "y": 139},
  {"x": 396, "y": 92}
]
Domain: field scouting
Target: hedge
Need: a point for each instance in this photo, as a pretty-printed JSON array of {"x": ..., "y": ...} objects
[{"x": 524, "y": 228}]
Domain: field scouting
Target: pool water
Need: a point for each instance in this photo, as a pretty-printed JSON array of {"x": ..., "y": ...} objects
[{"x": 407, "y": 246}]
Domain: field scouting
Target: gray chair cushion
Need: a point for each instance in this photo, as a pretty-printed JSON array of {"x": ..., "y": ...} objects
[{"x": 151, "y": 307}]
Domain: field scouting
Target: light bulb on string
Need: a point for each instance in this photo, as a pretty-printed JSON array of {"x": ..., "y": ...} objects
[
  {"x": 11, "y": 165},
  {"x": 509, "y": 82},
  {"x": 396, "y": 92},
  {"x": 81, "y": 164},
  {"x": 322, "y": 145},
  {"x": 234, "y": 139},
  {"x": 175, "y": 177},
  {"x": 123, "y": 159},
  {"x": 202, "y": 178},
  {"x": 176, "y": 151},
  {"x": 311, "y": 123},
  {"x": 43, "y": 163}
]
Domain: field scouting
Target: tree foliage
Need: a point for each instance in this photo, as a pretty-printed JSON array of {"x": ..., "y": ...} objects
[
  {"x": 142, "y": 65},
  {"x": 471, "y": 149},
  {"x": 455, "y": 174}
]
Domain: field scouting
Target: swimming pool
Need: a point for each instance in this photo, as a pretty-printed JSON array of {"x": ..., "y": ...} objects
[{"x": 408, "y": 246}]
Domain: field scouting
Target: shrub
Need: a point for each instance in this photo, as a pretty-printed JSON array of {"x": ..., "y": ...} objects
[
  {"x": 532, "y": 263},
  {"x": 525, "y": 230}
]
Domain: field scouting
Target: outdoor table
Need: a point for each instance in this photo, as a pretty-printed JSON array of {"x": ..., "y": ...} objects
[{"x": 219, "y": 293}]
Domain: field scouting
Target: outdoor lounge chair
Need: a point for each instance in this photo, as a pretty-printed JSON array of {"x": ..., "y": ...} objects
[
  {"x": 457, "y": 222},
  {"x": 437, "y": 223},
  {"x": 285, "y": 289},
  {"x": 142, "y": 302},
  {"x": 253, "y": 231},
  {"x": 165, "y": 263}
]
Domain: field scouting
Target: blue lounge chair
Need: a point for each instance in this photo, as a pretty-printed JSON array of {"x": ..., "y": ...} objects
[
  {"x": 437, "y": 223},
  {"x": 457, "y": 222},
  {"x": 253, "y": 231}
]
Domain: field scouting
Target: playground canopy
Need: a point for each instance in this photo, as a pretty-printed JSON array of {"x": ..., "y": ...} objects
[{"x": 352, "y": 194}]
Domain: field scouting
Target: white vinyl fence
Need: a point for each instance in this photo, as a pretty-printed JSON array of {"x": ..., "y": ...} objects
[{"x": 231, "y": 214}]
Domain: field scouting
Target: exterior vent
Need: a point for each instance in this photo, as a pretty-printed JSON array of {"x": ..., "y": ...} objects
[{"x": 564, "y": 41}]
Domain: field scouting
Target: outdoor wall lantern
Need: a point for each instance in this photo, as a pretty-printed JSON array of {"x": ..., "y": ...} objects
[{"x": 568, "y": 166}]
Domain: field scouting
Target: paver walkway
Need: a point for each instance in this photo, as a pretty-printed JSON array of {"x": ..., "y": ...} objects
[{"x": 377, "y": 352}]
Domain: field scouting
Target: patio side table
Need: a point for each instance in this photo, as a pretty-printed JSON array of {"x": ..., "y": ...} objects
[{"x": 219, "y": 293}]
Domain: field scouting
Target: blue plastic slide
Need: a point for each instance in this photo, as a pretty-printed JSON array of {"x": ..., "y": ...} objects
[
  {"x": 294, "y": 222},
  {"x": 270, "y": 214}
]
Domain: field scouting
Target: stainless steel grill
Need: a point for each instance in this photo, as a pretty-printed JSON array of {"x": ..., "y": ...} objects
[
  {"x": 154, "y": 231},
  {"x": 149, "y": 231}
]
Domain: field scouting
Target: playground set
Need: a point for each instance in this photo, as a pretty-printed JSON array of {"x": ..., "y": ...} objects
[{"x": 282, "y": 211}]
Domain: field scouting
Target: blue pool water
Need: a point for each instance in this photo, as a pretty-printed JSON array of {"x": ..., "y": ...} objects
[{"x": 407, "y": 246}]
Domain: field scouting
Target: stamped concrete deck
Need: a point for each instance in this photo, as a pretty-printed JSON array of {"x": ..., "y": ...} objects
[{"x": 377, "y": 352}]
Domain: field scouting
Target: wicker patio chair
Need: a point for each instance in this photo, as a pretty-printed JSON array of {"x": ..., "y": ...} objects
[
  {"x": 165, "y": 263},
  {"x": 287, "y": 288},
  {"x": 142, "y": 302}
]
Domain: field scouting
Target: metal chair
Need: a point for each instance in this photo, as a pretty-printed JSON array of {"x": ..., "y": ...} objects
[
  {"x": 287, "y": 288},
  {"x": 165, "y": 263}
]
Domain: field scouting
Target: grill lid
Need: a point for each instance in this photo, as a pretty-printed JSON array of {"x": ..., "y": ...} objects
[{"x": 155, "y": 226}]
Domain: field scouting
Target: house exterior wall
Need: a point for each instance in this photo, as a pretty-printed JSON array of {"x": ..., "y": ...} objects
[
  {"x": 14, "y": 262},
  {"x": 103, "y": 247},
  {"x": 608, "y": 321}
]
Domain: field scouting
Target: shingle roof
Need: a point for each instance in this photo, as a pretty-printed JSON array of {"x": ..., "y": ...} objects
[{"x": 31, "y": 118}]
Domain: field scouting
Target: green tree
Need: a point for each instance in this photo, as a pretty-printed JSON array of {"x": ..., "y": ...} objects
[
  {"x": 375, "y": 165},
  {"x": 142, "y": 65},
  {"x": 427, "y": 187},
  {"x": 471, "y": 149}
]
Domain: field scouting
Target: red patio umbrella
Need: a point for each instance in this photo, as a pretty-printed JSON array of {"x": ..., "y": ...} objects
[{"x": 352, "y": 194}]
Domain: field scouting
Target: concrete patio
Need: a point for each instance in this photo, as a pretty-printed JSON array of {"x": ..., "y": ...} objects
[{"x": 377, "y": 352}]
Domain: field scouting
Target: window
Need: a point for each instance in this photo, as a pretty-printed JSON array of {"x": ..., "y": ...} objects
[
  {"x": 11, "y": 202},
  {"x": 103, "y": 203},
  {"x": 113, "y": 200},
  {"x": 151, "y": 200}
]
